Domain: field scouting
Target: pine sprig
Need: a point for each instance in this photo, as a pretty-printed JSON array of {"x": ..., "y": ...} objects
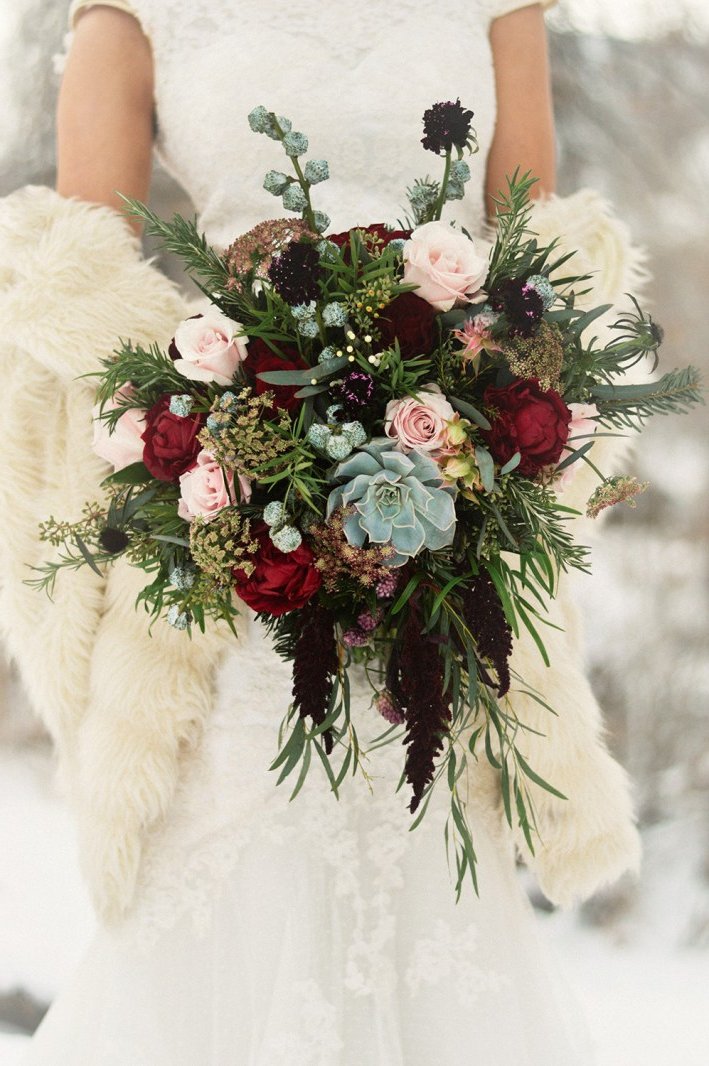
[
  {"x": 513, "y": 213},
  {"x": 628, "y": 406}
]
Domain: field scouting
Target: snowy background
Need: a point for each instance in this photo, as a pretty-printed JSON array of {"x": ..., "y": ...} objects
[{"x": 632, "y": 95}]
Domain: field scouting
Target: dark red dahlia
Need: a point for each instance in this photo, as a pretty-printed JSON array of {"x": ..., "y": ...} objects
[
  {"x": 296, "y": 273},
  {"x": 529, "y": 420},
  {"x": 446, "y": 126}
]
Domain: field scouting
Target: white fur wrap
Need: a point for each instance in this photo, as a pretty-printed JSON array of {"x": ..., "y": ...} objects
[{"x": 124, "y": 708}]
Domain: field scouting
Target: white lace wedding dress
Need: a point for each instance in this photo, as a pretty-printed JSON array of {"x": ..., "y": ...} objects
[{"x": 312, "y": 933}]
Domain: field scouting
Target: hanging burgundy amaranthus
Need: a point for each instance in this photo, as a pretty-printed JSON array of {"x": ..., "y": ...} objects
[
  {"x": 416, "y": 682},
  {"x": 315, "y": 666},
  {"x": 485, "y": 618}
]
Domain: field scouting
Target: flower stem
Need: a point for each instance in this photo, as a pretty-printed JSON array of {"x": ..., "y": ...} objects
[{"x": 438, "y": 206}]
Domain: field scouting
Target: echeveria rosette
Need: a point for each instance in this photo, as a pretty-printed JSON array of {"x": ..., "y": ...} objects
[{"x": 394, "y": 499}]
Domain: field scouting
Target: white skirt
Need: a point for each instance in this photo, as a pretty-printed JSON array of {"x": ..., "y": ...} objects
[{"x": 311, "y": 933}]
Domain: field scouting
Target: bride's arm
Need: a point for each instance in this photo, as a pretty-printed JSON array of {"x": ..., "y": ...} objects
[
  {"x": 105, "y": 113},
  {"x": 524, "y": 131}
]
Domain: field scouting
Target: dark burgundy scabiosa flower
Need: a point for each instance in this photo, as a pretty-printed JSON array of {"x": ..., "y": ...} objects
[
  {"x": 522, "y": 305},
  {"x": 446, "y": 126},
  {"x": 354, "y": 391},
  {"x": 113, "y": 540},
  {"x": 295, "y": 273}
]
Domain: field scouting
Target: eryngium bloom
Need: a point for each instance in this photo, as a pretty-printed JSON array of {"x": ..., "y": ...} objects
[{"x": 398, "y": 500}]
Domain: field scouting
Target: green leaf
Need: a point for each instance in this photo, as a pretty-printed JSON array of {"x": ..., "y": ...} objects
[
  {"x": 303, "y": 377},
  {"x": 534, "y": 776},
  {"x": 413, "y": 583},
  {"x": 307, "y": 756},
  {"x": 86, "y": 554},
  {"x": 467, "y": 409},
  {"x": 576, "y": 453},
  {"x": 585, "y": 320},
  {"x": 533, "y": 633},
  {"x": 310, "y": 390},
  {"x": 511, "y": 464},
  {"x": 135, "y": 474},
  {"x": 486, "y": 466}
]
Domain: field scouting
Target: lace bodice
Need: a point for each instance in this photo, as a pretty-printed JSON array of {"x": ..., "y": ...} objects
[{"x": 355, "y": 78}]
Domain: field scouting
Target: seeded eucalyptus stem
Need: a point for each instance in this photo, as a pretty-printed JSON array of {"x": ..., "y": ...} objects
[{"x": 308, "y": 213}]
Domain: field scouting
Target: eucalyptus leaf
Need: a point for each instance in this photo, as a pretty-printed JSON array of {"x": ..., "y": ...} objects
[
  {"x": 486, "y": 466},
  {"x": 303, "y": 377},
  {"x": 467, "y": 409}
]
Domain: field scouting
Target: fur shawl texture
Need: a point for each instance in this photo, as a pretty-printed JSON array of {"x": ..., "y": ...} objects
[{"x": 125, "y": 709}]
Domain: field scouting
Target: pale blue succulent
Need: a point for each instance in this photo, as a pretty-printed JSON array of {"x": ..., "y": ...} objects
[{"x": 398, "y": 500}]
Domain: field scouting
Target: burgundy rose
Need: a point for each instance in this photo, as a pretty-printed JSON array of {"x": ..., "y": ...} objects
[
  {"x": 411, "y": 321},
  {"x": 170, "y": 442},
  {"x": 528, "y": 420},
  {"x": 261, "y": 359},
  {"x": 280, "y": 581},
  {"x": 377, "y": 229}
]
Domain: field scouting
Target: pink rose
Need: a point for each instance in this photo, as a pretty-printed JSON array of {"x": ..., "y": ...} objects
[
  {"x": 419, "y": 421},
  {"x": 205, "y": 489},
  {"x": 124, "y": 445},
  {"x": 581, "y": 427},
  {"x": 208, "y": 347},
  {"x": 447, "y": 266}
]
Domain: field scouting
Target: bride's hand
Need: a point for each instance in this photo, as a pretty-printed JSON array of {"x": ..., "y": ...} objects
[{"x": 105, "y": 114}]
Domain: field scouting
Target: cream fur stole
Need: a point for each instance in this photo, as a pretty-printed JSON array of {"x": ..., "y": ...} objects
[{"x": 126, "y": 709}]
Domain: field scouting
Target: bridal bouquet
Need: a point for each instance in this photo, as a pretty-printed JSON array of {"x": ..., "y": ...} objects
[{"x": 363, "y": 437}]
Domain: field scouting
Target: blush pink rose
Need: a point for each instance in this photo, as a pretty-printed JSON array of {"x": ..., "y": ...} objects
[
  {"x": 208, "y": 347},
  {"x": 125, "y": 444},
  {"x": 581, "y": 427},
  {"x": 419, "y": 421},
  {"x": 205, "y": 489},
  {"x": 447, "y": 266}
]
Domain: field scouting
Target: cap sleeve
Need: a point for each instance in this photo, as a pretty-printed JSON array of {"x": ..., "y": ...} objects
[
  {"x": 497, "y": 8},
  {"x": 78, "y": 6}
]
